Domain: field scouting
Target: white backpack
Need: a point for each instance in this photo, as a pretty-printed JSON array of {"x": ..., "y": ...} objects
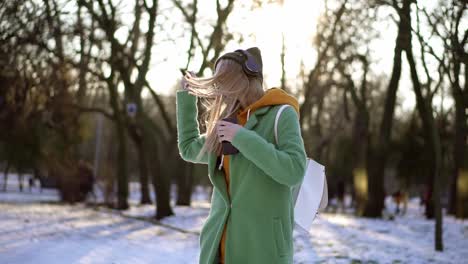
[{"x": 311, "y": 195}]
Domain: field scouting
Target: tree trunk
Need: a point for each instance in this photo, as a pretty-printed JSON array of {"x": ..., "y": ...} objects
[
  {"x": 160, "y": 176},
  {"x": 433, "y": 142},
  {"x": 143, "y": 165},
  {"x": 375, "y": 188},
  {"x": 378, "y": 157},
  {"x": 462, "y": 209},
  {"x": 376, "y": 166},
  {"x": 139, "y": 142},
  {"x": 185, "y": 185},
  {"x": 83, "y": 64},
  {"x": 5, "y": 176},
  {"x": 360, "y": 140},
  {"x": 162, "y": 189},
  {"x": 459, "y": 148},
  {"x": 122, "y": 177},
  {"x": 460, "y": 97},
  {"x": 452, "y": 204}
]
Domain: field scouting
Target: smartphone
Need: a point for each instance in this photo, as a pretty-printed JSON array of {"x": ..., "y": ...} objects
[{"x": 228, "y": 148}]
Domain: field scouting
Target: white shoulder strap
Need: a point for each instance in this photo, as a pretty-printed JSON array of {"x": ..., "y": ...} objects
[{"x": 276, "y": 120}]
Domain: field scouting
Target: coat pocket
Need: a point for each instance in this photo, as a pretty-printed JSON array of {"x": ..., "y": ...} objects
[{"x": 279, "y": 235}]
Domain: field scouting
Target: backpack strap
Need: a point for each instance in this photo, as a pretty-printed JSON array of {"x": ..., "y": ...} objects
[{"x": 278, "y": 114}]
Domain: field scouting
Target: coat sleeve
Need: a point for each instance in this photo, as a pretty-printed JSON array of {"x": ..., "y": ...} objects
[
  {"x": 189, "y": 140},
  {"x": 286, "y": 162}
]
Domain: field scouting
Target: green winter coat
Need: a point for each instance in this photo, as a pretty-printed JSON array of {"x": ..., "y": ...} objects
[{"x": 260, "y": 212}]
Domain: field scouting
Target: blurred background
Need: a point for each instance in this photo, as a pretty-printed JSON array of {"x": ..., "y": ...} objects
[{"x": 87, "y": 99}]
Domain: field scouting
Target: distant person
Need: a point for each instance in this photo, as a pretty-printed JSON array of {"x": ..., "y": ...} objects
[
  {"x": 397, "y": 199},
  {"x": 251, "y": 218},
  {"x": 31, "y": 183}
]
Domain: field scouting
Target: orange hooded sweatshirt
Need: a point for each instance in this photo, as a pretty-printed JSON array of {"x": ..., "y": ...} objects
[{"x": 272, "y": 96}]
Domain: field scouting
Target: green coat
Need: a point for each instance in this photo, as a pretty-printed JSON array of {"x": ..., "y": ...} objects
[{"x": 260, "y": 213}]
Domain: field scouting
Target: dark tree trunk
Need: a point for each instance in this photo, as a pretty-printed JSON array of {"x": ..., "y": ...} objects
[
  {"x": 462, "y": 208},
  {"x": 376, "y": 166},
  {"x": 460, "y": 97},
  {"x": 162, "y": 188},
  {"x": 160, "y": 172},
  {"x": 376, "y": 191},
  {"x": 185, "y": 185},
  {"x": 429, "y": 201},
  {"x": 431, "y": 135},
  {"x": 378, "y": 156},
  {"x": 360, "y": 142},
  {"x": 143, "y": 165},
  {"x": 138, "y": 140},
  {"x": 360, "y": 134},
  {"x": 83, "y": 64},
  {"x": 452, "y": 205},
  {"x": 459, "y": 149},
  {"x": 5, "y": 176},
  {"x": 122, "y": 177}
]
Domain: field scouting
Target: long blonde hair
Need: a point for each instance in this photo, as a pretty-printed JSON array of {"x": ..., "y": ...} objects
[{"x": 227, "y": 91}]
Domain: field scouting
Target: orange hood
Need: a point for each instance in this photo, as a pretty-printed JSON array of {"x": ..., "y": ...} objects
[{"x": 272, "y": 96}]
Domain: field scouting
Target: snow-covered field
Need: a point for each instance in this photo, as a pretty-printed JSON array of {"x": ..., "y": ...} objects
[{"x": 34, "y": 228}]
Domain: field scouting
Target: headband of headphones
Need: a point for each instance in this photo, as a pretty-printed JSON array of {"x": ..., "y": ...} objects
[{"x": 246, "y": 60}]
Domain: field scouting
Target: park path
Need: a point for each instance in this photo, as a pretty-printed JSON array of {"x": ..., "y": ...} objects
[{"x": 34, "y": 228}]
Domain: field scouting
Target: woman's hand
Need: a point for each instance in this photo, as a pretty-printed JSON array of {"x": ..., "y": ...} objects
[
  {"x": 226, "y": 130},
  {"x": 183, "y": 83}
]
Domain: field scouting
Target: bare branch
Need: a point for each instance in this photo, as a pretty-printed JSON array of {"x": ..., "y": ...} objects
[
  {"x": 422, "y": 51},
  {"x": 192, "y": 21},
  {"x": 161, "y": 106}
]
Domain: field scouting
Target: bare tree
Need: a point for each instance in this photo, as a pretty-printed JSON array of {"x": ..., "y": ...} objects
[
  {"x": 317, "y": 88},
  {"x": 134, "y": 56},
  {"x": 453, "y": 59},
  {"x": 376, "y": 166},
  {"x": 211, "y": 47}
]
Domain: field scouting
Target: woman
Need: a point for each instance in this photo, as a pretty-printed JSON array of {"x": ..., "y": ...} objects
[{"x": 251, "y": 217}]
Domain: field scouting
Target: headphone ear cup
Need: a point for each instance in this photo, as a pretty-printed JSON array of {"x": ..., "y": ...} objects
[{"x": 250, "y": 65}]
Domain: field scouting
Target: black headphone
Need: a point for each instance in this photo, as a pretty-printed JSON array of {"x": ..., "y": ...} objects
[{"x": 246, "y": 60}]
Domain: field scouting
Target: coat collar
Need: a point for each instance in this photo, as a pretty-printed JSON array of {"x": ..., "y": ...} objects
[{"x": 253, "y": 118}]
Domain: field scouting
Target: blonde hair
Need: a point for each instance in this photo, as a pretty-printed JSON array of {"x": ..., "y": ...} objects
[{"x": 227, "y": 91}]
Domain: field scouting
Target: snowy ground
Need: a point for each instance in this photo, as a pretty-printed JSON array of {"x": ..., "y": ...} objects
[{"x": 34, "y": 228}]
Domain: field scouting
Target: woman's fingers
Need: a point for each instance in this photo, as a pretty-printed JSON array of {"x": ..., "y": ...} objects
[
  {"x": 225, "y": 130},
  {"x": 222, "y": 122},
  {"x": 221, "y": 125},
  {"x": 221, "y": 129}
]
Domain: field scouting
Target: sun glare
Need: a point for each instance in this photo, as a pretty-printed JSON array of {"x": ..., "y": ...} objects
[
  {"x": 264, "y": 28},
  {"x": 293, "y": 22}
]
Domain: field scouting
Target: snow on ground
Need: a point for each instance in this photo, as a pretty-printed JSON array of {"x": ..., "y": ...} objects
[{"x": 35, "y": 228}]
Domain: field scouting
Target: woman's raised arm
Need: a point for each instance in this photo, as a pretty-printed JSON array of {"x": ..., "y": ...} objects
[{"x": 189, "y": 140}]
